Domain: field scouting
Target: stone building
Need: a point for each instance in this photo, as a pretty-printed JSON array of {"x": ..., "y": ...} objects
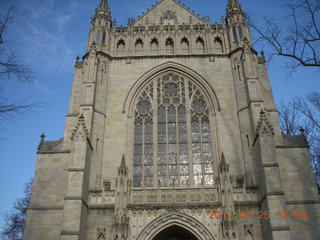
[{"x": 172, "y": 133}]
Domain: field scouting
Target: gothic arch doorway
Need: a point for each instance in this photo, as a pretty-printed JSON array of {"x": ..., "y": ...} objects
[
  {"x": 175, "y": 226},
  {"x": 175, "y": 233}
]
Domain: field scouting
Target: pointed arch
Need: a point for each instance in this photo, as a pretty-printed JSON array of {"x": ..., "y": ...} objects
[
  {"x": 138, "y": 45},
  {"x": 120, "y": 46},
  {"x": 218, "y": 43},
  {"x": 169, "y": 45},
  {"x": 179, "y": 220},
  {"x": 201, "y": 82},
  {"x": 200, "y": 44},
  {"x": 174, "y": 97},
  {"x": 154, "y": 45},
  {"x": 185, "y": 45}
]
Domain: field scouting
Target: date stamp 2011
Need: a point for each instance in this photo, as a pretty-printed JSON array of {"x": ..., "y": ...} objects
[{"x": 262, "y": 215}]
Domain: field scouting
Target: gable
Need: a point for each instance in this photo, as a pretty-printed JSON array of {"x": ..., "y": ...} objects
[{"x": 169, "y": 11}]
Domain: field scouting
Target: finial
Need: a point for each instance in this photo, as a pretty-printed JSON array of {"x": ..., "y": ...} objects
[
  {"x": 123, "y": 166},
  {"x": 301, "y": 129},
  {"x": 123, "y": 161},
  {"x": 103, "y": 9},
  {"x": 262, "y": 53},
  {"x": 223, "y": 159},
  {"x": 77, "y": 59},
  {"x": 223, "y": 164},
  {"x": 42, "y": 137},
  {"x": 233, "y": 5}
]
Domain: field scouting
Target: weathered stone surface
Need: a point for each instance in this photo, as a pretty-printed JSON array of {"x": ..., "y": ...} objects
[{"x": 84, "y": 186}]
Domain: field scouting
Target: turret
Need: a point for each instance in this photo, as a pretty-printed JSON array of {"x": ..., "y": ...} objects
[
  {"x": 100, "y": 24},
  {"x": 237, "y": 23}
]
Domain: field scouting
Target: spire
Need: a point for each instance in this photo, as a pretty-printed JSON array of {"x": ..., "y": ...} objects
[
  {"x": 233, "y": 7},
  {"x": 103, "y": 10},
  {"x": 234, "y": 4},
  {"x": 223, "y": 164},
  {"x": 123, "y": 167}
]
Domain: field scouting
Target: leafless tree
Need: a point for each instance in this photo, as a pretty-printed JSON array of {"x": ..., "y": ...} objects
[
  {"x": 303, "y": 115},
  {"x": 15, "y": 220},
  {"x": 12, "y": 66},
  {"x": 300, "y": 39}
]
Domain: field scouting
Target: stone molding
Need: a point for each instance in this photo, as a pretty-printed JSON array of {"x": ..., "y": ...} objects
[
  {"x": 201, "y": 82},
  {"x": 175, "y": 219}
]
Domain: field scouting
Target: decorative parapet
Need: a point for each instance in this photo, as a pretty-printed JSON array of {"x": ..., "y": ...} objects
[
  {"x": 170, "y": 196},
  {"x": 247, "y": 194},
  {"x": 102, "y": 197}
]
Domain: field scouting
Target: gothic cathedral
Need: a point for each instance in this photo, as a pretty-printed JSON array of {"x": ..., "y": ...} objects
[{"x": 172, "y": 133}]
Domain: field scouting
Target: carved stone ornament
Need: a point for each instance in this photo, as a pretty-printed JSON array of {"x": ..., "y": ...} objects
[
  {"x": 169, "y": 15},
  {"x": 264, "y": 126},
  {"x": 248, "y": 228},
  {"x": 80, "y": 124}
]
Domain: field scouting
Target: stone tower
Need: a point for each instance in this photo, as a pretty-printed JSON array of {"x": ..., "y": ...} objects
[{"x": 172, "y": 133}]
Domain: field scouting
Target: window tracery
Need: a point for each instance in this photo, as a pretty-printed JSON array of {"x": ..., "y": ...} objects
[
  {"x": 104, "y": 35},
  {"x": 154, "y": 45},
  {"x": 218, "y": 46},
  {"x": 184, "y": 45},
  {"x": 172, "y": 135},
  {"x": 200, "y": 45},
  {"x": 139, "y": 45},
  {"x": 98, "y": 36},
  {"x": 121, "y": 47},
  {"x": 169, "y": 45}
]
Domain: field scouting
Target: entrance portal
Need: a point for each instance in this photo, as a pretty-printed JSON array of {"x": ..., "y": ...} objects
[{"x": 175, "y": 233}]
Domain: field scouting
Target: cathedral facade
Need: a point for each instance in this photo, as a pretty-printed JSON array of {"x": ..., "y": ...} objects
[{"x": 172, "y": 133}]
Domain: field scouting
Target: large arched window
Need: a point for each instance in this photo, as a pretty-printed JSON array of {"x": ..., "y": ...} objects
[{"x": 172, "y": 135}]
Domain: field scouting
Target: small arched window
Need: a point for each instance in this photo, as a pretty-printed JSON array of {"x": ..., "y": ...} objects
[
  {"x": 121, "y": 47},
  {"x": 172, "y": 135},
  {"x": 240, "y": 32},
  {"x": 169, "y": 46},
  {"x": 235, "y": 35},
  {"x": 98, "y": 36},
  {"x": 184, "y": 45},
  {"x": 103, "y": 37},
  {"x": 154, "y": 46},
  {"x": 200, "y": 45},
  {"x": 138, "y": 46},
  {"x": 218, "y": 46}
]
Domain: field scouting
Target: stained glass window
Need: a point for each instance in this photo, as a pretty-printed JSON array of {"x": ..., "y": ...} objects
[{"x": 172, "y": 135}]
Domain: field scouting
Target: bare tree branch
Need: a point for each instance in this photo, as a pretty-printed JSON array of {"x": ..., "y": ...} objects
[
  {"x": 305, "y": 113},
  {"x": 15, "y": 220},
  {"x": 301, "y": 41},
  {"x": 12, "y": 66},
  {"x": 10, "y": 63}
]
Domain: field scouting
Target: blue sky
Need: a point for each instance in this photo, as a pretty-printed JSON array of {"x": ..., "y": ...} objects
[{"x": 49, "y": 35}]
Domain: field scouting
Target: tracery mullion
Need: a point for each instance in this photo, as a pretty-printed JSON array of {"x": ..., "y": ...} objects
[
  {"x": 143, "y": 155},
  {"x": 207, "y": 151},
  {"x": 203, "y": 173},
  {"x": 155, "y": 135},
  {"x": 189, "y": 132},
  {"x": 167, "y": 147},
  {"x": 178, "y": 147}
]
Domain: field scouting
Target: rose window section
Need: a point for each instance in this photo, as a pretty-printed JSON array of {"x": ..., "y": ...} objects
[{"x": 172, "y": 135}]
